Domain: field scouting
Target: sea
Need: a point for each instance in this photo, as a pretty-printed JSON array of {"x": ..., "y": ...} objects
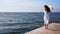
[{"x": 22, "y": 22}]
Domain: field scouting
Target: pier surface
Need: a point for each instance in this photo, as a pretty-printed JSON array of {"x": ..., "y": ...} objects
[{"x": 53, "y": 28}]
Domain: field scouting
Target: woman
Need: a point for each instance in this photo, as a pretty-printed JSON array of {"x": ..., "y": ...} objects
[{"x": 46, "y": 16}]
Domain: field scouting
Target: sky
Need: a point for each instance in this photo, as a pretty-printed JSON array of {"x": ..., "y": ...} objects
[{"x": 28, "y": 5}]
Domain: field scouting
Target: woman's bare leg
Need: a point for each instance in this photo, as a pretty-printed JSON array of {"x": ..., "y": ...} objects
[{"x": 46, "y": 26}]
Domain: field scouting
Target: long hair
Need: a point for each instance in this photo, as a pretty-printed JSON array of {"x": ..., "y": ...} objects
[{"x": 47, "y": 8}]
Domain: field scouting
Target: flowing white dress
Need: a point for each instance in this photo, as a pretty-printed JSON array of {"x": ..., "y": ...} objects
[{"x": 46, "y": 17}]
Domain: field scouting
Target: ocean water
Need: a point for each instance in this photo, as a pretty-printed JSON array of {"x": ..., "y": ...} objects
[{"x": 22, "y": 22}]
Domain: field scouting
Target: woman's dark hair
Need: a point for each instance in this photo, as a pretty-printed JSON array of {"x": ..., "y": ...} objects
[{"x": 47, "y": 8}]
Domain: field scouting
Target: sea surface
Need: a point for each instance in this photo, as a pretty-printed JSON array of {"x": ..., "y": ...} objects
[{"x": 22, "y": 22}]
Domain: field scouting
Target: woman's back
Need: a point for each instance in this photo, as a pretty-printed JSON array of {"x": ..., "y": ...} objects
[{"x": 46, "y": 15}]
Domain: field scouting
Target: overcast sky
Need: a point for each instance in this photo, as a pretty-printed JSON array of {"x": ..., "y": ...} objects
[{"x": 27, "y": 5}]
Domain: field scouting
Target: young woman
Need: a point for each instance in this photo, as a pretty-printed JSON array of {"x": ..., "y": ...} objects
[{"x": 46, "y": 16}]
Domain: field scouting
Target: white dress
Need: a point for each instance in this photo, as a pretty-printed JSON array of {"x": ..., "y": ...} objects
[{"x": 46, "y": 17}]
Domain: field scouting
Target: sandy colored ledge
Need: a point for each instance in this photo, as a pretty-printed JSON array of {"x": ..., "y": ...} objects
[{"x": 54, "y": 28}]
